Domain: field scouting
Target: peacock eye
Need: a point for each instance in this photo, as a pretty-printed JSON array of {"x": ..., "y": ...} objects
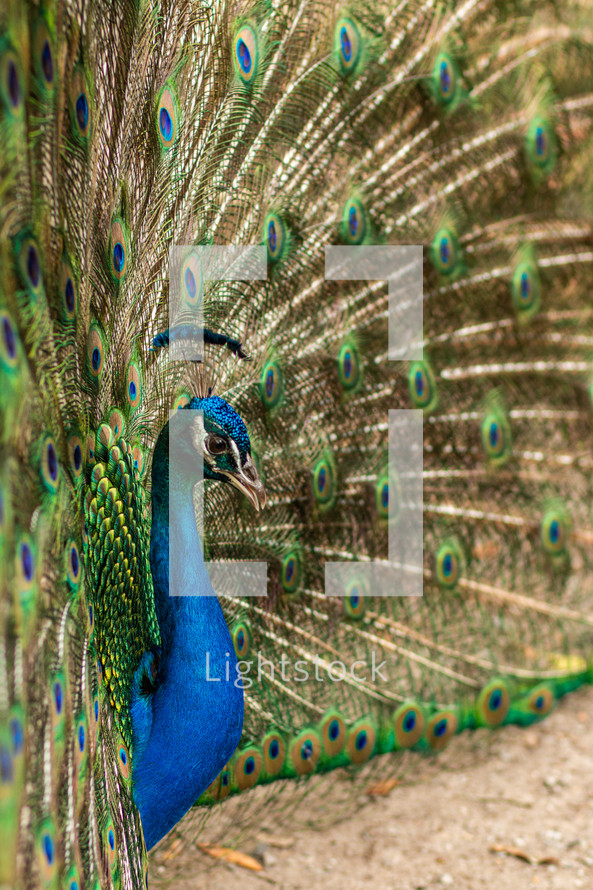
[{"x": 216, "y": 445}]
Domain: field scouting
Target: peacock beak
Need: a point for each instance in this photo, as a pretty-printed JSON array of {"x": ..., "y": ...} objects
[{"x": 246, "y": 479}]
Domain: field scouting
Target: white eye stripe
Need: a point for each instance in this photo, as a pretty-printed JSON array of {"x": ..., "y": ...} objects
[
  {"x": 198, "y": 433},
  {"x": 235, "y": 451}
]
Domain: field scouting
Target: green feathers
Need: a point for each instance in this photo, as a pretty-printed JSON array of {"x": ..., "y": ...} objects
[{"x": 335, "y": 742}]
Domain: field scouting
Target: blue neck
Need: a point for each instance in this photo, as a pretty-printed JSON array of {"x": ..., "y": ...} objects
[{"x": 186, "y": 730}]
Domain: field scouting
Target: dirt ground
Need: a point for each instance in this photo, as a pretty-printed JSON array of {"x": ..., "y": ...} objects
[{"x": 528, "y": 792}]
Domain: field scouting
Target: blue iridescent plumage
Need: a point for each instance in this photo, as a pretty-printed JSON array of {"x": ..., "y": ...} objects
[{"x": 187, "y": 676}]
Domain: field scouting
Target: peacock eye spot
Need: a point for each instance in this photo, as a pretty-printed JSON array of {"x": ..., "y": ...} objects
[
  {"x": 270, "y": 383},
  {"x": 9, "y": 338},
  {"x": 27, "y": 561},
  {"x": 495, "y": 700},
  {"x": 33, "y": 265},
  {"x": 334, "y": 730},
  {"x": 249, "y": 766},
  {"x": 244, "y": 56},
  {"x": 216, "y": 445},
  {"x": 321, "y": 479},
  {"x": 440, "y": 728},
  {"x": 348, "y": 45},
  {"x": 445, "y": 251},
  {"x": 307, "y": 750},
  {"x": 409, "y": 722},
  {"x": 18, "y": 738},
  {"x": 447, "y": 565},
  {"x": 81, "y": 738},
  {"x": 74, "y": 562},
  {"x": 345, "y": 44},
  {"x": 118, "y": 256},
  {"x": 361, "y": 740},
  {"x": 6, "y": 767},
  {"x": 190, "y": 283},
  {"x": 419, "y": 383},
  {"x": 48, "y": 848},
  {"x": 272, "y": 237},
  {"x": 166, "y": 124},
  {"x": 52, "y": 461},
  {"x": 82, "y": 111},
  {"x": 540, "y": 141},
  {"x": 70, "y": 295},
  {"x": 47, "y": 62},
  {"x": 353, "y": 222},
  {"x": 274, "y": 749},
  {"x": 14, "y": 87},
  {"x": 58, "y": 697},
  {"x": 445, "y": 78}
]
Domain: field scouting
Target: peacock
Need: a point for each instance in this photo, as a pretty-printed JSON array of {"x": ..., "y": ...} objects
[{"x": 197, "y": 413}]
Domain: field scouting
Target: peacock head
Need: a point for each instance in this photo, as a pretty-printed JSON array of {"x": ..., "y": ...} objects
[{"x": 221, "y": 437}]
